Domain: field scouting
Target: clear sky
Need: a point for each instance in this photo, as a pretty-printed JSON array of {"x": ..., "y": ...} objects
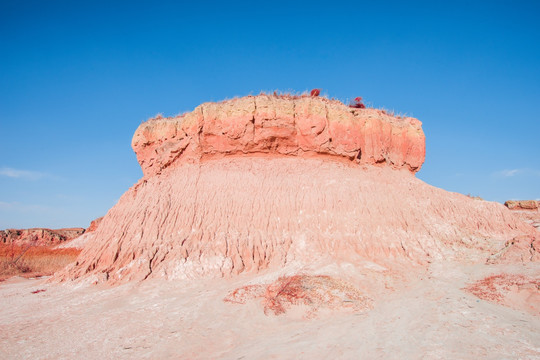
[{"x": 78, "y": 77}]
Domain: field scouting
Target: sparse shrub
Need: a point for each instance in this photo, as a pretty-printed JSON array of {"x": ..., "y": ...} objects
[
  {"x": 474, "y": 197},
  {"x": 286, "y": 95},
  {"x": 389, "y": 112},
  {"x": 357, "y": 103},
  {"x": 289, "y": 95}
]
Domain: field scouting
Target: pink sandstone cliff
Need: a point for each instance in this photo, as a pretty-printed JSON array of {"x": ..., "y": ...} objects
[{"x": 264, "y": 182}]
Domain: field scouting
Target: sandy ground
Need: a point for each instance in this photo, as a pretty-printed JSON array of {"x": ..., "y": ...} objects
[{"x": 429, "y": 317}]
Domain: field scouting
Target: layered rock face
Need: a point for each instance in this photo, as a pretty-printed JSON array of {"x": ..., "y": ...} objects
[
  {"x": 270, "y": 125},
  {"x": 38, "y": 236},
  {"x": 265, "y": 182}
]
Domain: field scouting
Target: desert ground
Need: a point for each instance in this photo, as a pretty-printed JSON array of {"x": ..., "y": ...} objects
[{"x": 431, "y": 317}]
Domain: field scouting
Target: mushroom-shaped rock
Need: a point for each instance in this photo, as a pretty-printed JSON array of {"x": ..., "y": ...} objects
[{"x": 264, "y": 182}]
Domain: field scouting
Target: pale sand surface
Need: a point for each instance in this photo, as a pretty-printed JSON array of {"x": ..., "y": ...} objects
[{"x": 428, "y": 317}]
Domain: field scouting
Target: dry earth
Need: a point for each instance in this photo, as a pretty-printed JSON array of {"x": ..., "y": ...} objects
[{"x": 428, "y": 316}]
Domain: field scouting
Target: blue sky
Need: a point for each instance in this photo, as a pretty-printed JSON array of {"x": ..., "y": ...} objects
[{"x": 77, "y": 78}]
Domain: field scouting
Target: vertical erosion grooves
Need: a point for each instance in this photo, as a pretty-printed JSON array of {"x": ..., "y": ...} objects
[{"x": 244, "y": 214}]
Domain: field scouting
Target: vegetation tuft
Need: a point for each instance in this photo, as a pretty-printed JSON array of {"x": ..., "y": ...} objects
[
  {"x": 357, "y": 103},
  {"x": 315, "y": 92}
]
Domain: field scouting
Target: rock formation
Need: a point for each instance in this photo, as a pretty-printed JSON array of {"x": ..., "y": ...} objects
[
  {"x": 527, "y": 210},
  {"x": 522, "y": 204},
  {"x": 270, "y": 125},
  {"x": 38, "y": 236},
  {"x": 265, "y": 182},
  {"x": 94, "y": 225}
]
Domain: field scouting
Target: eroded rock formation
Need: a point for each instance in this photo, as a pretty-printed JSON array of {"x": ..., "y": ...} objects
[
  {"x": 265, "y": 182},
  {"x": 527, "y": 210},
  {"x": 522, "y": 204},
  {"x": 94, "y": 224},
  {"x": 38, "y": 236},
  {"x": 270, "y": 125}
]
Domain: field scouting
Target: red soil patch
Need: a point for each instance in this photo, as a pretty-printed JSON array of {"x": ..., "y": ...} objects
[
  {"x": 315, "y": 292},
  {"x": 493, "y": 287},
  {"x": 32, "y": 261},
  {"x": 513, "y": 290}
]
